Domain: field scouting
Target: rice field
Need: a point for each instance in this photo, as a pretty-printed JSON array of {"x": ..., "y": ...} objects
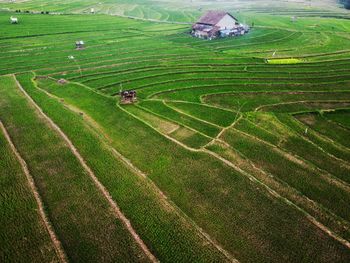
[{"x": 236, "y": 150}]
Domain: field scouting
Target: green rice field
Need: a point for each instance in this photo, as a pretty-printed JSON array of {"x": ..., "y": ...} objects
[{"x": 236, "y": 150}]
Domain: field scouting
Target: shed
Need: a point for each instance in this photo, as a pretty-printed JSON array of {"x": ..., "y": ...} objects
[
  {"x": 13, "y": 20},
  {"x": 79, "y": 44},
  {"x": 128, "y": 96}
]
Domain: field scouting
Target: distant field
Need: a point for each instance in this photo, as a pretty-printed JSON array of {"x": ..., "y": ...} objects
[{"x": 237, "y": 149}]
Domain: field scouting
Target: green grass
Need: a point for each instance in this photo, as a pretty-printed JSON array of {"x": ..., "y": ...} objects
[
  {"x": 284, "y": 61},
  {"x": 270, "y": 129}
]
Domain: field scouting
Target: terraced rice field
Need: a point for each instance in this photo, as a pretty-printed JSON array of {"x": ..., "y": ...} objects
[{"x": 237, "y": 149}]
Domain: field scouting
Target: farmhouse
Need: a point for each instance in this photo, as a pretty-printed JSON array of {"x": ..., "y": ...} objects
[
  {"x": 13, "y": 20},
  {"x": 128, "y": 96},
  {"x": 216, "y": 24}
]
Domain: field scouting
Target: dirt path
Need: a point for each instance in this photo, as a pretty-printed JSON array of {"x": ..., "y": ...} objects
[
  {"x": 239, "y": 116},
  {"x": 57, "y": 244},
  {"x": 103, "y": 190}
]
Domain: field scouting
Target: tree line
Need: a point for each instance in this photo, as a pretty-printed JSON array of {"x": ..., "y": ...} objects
[{"x": 346, "y": 3}]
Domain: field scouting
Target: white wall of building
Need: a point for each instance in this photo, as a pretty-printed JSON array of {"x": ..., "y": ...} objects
[{"x": 227, "y": 22}]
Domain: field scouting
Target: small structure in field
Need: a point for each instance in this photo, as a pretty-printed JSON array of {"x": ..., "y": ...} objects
[
  {"x": 92, "y": 11},
  {"x": 62, "y": 81},
  {"x": 128, "y": 96},
  {"x": 13, "y": 20},
  {"x": 216, "y": 24},
  {"x": 79, "y": 44}
]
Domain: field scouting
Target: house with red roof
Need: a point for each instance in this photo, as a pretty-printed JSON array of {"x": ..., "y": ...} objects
[{"x": 216, "y": 24}]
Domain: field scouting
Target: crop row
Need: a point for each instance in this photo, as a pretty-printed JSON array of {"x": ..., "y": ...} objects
[
  {"x": 303, "y": 178},
  {"x": 169, "y": 235},
  {"x": 196, "y": 93},
  {"x": 81, "y": 217},
  {"x": 23, "y": 236},
  {"x": 224, "y": 198}
]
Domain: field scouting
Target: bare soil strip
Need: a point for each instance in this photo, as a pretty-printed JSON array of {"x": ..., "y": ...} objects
[
  {"x": 103, "y": 190},
  {"x": 239, "y": 116},
  {"x": 56, "y": 242}
]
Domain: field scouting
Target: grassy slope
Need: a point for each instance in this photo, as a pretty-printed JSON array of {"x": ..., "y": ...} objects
[{"x": 80, "y": 215}]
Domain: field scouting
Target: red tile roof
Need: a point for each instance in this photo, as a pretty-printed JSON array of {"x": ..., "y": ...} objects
[{"x": 213, "y": 17}]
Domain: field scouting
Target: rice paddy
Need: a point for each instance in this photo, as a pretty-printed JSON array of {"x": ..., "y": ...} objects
[{"x": 236, "y": 150}]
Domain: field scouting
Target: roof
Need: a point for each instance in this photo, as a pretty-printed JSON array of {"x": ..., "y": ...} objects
[
  {"x": 213, "y": 17},
  {"x": 206, "y": 28}
]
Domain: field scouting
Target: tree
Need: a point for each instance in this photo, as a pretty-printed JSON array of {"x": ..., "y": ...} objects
[{"x": 346, "y": 3}]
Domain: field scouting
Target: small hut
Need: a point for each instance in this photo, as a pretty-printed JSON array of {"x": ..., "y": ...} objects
[
  {"x": 13, "y": 20},
  {"x": 62, "y": 81},
  {"x": 92, "y": 11},
  {"x": 128, "y": 96},
  {"x": 79, "y": 44}
]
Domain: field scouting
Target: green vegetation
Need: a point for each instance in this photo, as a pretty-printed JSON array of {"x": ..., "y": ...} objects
[
  {"x": 84, "y": 222},
  {"x": 341, "y": 117},
  {"x": 236, "y": 148},
  {"x": 158, "y": 224},
  {"x": 24, "y": 236},
  {"x": 284, "y": 61},
  {"x": 167, "y": 165}
]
